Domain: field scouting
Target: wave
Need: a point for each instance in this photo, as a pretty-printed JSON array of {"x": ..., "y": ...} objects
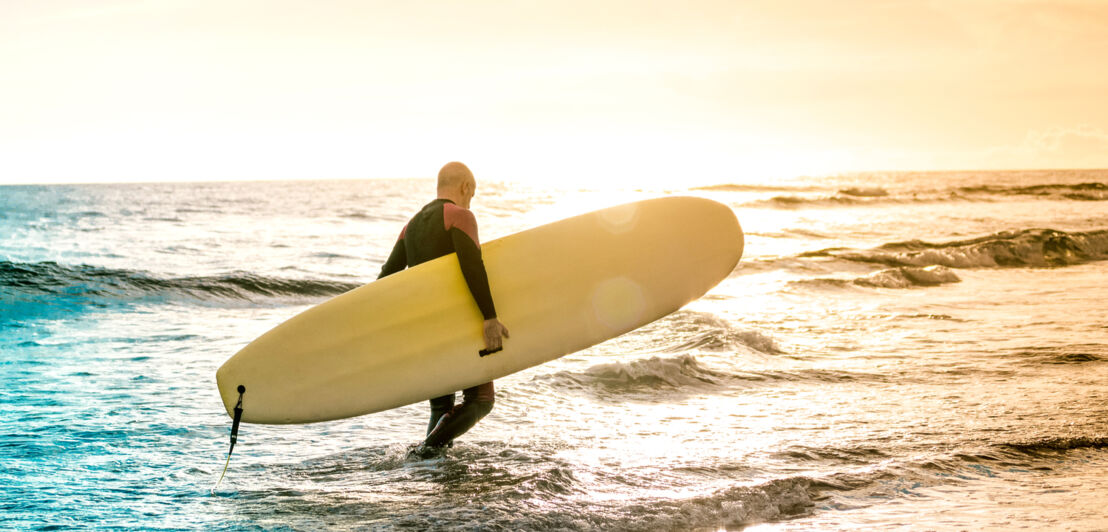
[
  {"x": 737, "y": 506},
  {"x": 792, "y": 202},
  {"x": 539, "y": 474},
  {"x": 373, "y": 217},
  {"x": 864, "y": 192},
  {"x": 1037, "y": 248},
  {"x": 724, "y": 339},
  {"x": 802, "y": 197},
  {"x": 828, "y": 478},
  {"x": 329, "y": 255},
  {"x": 868, "y": 468},
  {"x": 850, "y": 197},
  {"x": 97, "y": 285},
  {"x": 860, "y": 455},
  {"x": 1064, "y": 354},
  {"x": 1055, "y": 444},
  {"x": 800, "y": 264},
  {"x": 754, "y": 188},
  {"x": 844, "y": 197},
  {"x": 702, "y": 330},
  {"x": 909, "y": 277},
  {"x": 682, "y": 371},
  {"x": 865, "y": 474},
  {"x": 941, "y": 317},
  {"x": 1019, "y": 450},
  {"x": 683, "y": 374},
  {"x": 1092, "y": 191},
  {"x": 903, "y": 277}
]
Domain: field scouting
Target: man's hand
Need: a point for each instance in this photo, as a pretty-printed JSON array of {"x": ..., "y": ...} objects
[{"x": 494, "y": 334}]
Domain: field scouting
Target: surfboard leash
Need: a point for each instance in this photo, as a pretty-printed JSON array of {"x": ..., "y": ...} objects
[{"x": 234, "y": 436}]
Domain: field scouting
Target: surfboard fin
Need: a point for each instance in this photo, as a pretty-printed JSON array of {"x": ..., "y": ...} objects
[{"x": 234, "y": 436}]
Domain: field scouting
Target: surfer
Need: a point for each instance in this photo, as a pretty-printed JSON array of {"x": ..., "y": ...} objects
[{"x": 445, "y": 226}]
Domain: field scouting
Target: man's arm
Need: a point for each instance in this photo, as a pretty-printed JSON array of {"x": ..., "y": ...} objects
[
  {"x": 398, "y": 259},
  {"x": 473, "y": 270},
  {"x": 462, "y": 226},
  {"x": 477, "y": 279}
]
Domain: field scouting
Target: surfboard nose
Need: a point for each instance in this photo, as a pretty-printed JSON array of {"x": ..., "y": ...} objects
[{"x": 227, "y": 391}]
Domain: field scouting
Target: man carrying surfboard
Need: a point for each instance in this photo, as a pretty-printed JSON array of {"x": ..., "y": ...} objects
[{"x": 445, "y": 226}]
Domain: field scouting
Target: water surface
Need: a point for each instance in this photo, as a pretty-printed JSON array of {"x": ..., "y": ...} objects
[{"x": 917, "y": 350}]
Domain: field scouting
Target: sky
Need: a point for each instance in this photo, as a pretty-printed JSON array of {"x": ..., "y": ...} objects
[{"x": 577, "y": 90}]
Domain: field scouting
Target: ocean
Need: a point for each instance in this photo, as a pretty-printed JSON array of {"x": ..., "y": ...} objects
[{"x": 894, "y": 351}]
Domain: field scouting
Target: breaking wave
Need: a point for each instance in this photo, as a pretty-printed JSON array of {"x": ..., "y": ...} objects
[
  {"x": 685, "y": 373},
  {"x": 864, "y": 192},
  {"x": 94, "y": 284},
  {"x": 793, "y": 202},
  {"x": 719, "y": 340},
  {"x": 682, "y": 371},
  {"x": 702, "y": 330},
  {"x": 1028, "y": 248},
  {"x": 799, "y": 197},
  {"x": 903, "y": 277},
  {"x": 737, "y": 506},
  {"x": 1056, "y": 444},
  {"x": 1082, "y": 191}
]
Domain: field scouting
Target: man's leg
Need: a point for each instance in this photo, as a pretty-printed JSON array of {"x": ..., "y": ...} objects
[
  {"x": 439, "y": 407},
  {"x": 476, "y": 404}
]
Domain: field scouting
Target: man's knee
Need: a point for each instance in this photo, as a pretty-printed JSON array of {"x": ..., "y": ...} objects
[
  {"x": 482, "y": 408},
  {"x": 481, "y": 392}
]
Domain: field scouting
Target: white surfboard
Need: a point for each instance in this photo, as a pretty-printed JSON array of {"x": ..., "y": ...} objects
[{"x": 416, "y": 334}]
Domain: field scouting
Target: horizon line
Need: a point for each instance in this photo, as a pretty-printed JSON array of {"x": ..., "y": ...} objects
[{"x": 378, "y": 178}]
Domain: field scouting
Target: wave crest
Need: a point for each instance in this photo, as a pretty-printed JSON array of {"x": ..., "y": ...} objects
[
  {"x": 903, "y": 277},
  {"x": 730, "y": 507},
  {"x": 96, "y": 284},
  {"x": 1091, "y": 191},
  {"x": 1061, "y": 354},
  {"x": 1057, "y": 444},
  {"x": 668, "y": 376},
  {"x": 865, "y": 192},
  {"x": 676, "y": 372},
  {"x": 796, "y": 197},
  {"x": 792, "y": 202},
  {"x": 1028, "y": 248},
  {"x": 713, "y": 333},
  {"x": 909, "y": 277}
]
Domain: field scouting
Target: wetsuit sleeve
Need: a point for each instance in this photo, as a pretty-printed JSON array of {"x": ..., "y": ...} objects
[
  {"x": 398, "y": 259},
  {"x": 473, "y": 269}
]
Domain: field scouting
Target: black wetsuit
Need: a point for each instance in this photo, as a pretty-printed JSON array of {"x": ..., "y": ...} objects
[{"x": 441, "y": 228}]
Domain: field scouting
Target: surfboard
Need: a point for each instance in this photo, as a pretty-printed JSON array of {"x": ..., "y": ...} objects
[{"x": 416, "y": 334}]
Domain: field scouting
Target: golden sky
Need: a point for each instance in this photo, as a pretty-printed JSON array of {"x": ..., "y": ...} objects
[{"x": 712, "y": 91}]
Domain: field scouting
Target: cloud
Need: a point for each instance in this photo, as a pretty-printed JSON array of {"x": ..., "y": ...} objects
[
  {"x": 1082, "y": 146},
  {"x": 1059, "y": 139}
]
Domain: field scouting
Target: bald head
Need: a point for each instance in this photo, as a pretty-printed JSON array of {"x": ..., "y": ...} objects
[
  {"x": 453, "y": 175},
  {"x": 456, "y": 183}
]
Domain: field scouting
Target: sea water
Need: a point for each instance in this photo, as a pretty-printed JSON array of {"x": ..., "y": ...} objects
[{"x": 905, "y": 350}]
